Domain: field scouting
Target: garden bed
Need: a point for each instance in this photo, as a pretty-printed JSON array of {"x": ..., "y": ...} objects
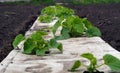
[
  {"x": 15, "y": 19},
  {"x": 55, "y": 61}
]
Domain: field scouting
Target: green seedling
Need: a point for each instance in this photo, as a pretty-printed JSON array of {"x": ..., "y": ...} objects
[
  {"x": 109, "y": 60},
  {"x": 72, "y": 25},
  {"x": 36, "y": 44},
  {"x": 17, "y": 40}
]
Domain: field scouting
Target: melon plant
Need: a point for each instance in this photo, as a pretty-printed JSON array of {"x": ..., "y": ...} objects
[
  {"x": 111, "y": 61},
  {"x": 36, "y": 44},
  {"x": 72, "y": 25}
]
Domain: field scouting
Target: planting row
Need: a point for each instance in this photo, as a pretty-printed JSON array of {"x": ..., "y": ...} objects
[{"x": 71, "y": 26}]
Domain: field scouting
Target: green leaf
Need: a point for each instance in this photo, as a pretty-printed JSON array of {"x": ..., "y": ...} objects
[
  {"x": 56, "y": 26},
  {"x": 41, "y": 52},
  {"x": 45, "y": 18},
  {"x": 65, "y": 33},
  {"x": 59, "y": 37},
  {"x": 42, "y": 32},
  {"x": 87, "y": 23},
  {"x": 50, "y": 10},
  {"x": 37, "y": 36},
  {"x": 68, "y": 23},
  {"x": 29, "y": 46},
  {"x": 40, "y": 44},
  {"x": 78, "y": 26},
  {"x": 53, "y": 43},
  {"x": 75, "y": 66},
  {"x": 63, "y": 11},
  {"x": 93, "y": 31},
  {"x": 60, "y": 47},
  {"x": 90, "y": 57},
  {"x": 17, "y": 40},
  {"x": 112, "y": 62}
]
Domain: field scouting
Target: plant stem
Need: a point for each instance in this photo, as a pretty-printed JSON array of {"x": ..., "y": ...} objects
[
  {"x": 100, "y": 65},
  {"x": 84, "y": 65}
]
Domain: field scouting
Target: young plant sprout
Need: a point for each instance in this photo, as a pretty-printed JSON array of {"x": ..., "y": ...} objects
[
  {"x": 72, "y": 25},
  {"x": 109, "y": 60},
  {"x": 36, "y": 44}
]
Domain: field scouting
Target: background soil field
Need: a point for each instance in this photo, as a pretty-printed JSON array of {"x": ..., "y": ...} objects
[{"x": 15, "y": 19}]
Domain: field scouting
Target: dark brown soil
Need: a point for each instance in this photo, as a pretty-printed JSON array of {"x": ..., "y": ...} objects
[{"x": 15, "y": 19}]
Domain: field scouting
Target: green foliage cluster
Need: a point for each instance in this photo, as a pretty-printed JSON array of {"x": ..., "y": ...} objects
[
  {"x": 36, "y": 44},
  {"x": 54, "y": 12},
  {"x": 109, "y": 60},
  {"x": 72, "y": 25}
]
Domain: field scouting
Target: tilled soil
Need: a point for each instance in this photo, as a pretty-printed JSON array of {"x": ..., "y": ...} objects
[{"x": 15, "y": 19}]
